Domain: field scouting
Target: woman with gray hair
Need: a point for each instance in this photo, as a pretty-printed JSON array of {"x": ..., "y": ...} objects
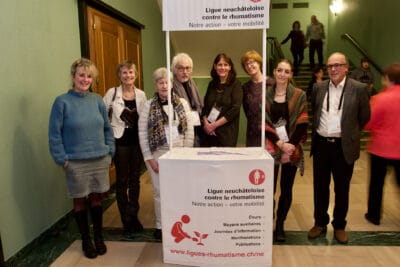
[
  {"x": 154, "y": 132},
  {"x": 124, "y": 104},
  {"x": 185, "y": 87}
]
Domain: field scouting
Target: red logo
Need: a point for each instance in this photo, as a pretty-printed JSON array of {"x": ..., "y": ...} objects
[
  {"x": 179, "y": 234},
  {"x": 257, "y": 177},
  {"x": 255, "y": 1}
]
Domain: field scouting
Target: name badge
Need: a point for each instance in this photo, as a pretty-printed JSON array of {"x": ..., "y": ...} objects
[
  {"x": 281, "y": 131},
  {"x": 195, "y": 118},
  {"x": 213, "y": 116}
]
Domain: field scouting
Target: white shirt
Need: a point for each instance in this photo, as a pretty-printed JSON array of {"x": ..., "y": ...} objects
[
  {"x": 335, "y": 92},
  {"x": 118, "y": 106}
]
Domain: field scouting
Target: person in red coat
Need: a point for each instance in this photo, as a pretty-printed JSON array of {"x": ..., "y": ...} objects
[{"x": 383, "y": 146}]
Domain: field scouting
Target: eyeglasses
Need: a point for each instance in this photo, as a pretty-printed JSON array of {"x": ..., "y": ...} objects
[
  {"x": 182, "y": 68},
  {"x": 336, "y": 66},
  {"x": 250, "y": 63}
]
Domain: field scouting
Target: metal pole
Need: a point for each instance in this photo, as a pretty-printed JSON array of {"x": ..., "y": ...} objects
[
  {"x": 170, "y": 114},
  {"x": 264, "y": 56}
]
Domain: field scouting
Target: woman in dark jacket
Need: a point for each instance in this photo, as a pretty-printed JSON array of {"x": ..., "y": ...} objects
[{"x": 222, "y": 103}]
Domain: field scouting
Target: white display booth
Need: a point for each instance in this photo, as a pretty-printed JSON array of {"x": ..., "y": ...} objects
[
  {"x": 216, "y": 203},
  {"x": 216, "y": 206}
]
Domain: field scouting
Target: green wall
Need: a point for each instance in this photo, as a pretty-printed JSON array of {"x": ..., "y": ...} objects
[
  {"x": 372, "y": 23},
  {"x": 281, "y": 21},
  {"x": 40, "y": 41}
]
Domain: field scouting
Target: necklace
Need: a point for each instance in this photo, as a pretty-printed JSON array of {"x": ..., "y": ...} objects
[{"x": 280, "y": 94}]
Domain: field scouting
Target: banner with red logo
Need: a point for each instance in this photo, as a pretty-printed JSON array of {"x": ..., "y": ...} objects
[
  {"x": 204, "y": 15},
  {"x": 217, "y": 206}
]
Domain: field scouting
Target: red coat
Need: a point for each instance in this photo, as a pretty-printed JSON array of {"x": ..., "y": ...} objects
[{"x": 384, "y": 124}]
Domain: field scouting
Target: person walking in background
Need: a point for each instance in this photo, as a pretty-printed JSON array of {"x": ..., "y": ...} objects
[
  {"x": 252, "y": 93},
  {"x": 124, "y": 104},
  {"x": 185, "y": 87},
  {"x": 81, "y": 141},
  {"x": 317, "y": 77},
  {"x": 341, "y": 109},
  {"x": 220, "y": 115},
  {"x": 285, "y": 131},
  {"x": 383, "y": 146},
  {"x": 154, "y": 133},
  {"x": 364, "y": 74},
  {"x": 297, "y": 45},
  {"x": 314, "y": 36}
]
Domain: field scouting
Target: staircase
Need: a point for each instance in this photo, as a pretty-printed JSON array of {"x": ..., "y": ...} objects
[{"x": 301, "y": 81}]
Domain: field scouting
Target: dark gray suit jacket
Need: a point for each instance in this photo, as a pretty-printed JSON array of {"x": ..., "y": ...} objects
[{"x": 356, "y": 113}]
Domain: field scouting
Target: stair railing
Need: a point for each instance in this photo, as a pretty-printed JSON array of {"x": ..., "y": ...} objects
[
  {"x": 274, "y": 53},
  {"x": 353, "y": 41}
]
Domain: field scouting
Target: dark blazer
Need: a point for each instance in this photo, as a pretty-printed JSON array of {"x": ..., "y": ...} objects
[{"x": 356, "y": 113}]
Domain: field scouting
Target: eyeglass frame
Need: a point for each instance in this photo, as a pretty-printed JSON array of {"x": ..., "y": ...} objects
[{"x": 336, "y": 66}]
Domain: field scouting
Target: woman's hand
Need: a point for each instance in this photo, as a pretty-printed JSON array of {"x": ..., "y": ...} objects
[
  {"x": 209, "y": 128},
  {"x": 65, "y": 164},
  {"x": 154, "y": 165},
  {"x": 287, "y": 148}
]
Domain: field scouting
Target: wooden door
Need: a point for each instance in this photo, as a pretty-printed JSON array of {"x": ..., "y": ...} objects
[{"x": 110, "y": 42}]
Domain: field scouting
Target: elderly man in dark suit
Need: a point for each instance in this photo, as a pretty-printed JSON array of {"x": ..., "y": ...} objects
[{"x": 340, "y": 110}]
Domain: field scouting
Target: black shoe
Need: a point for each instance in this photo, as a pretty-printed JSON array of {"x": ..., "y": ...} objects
[
  {"x": 279, "y": 234},
  {"x": 372, "y": 219},
  {"x": 137, "y": 226},
  {"x": 100, "y": 246},
  {"x": 127, "y": 235},
  {"x": 157, "y": 234},
  {"x": 89, "y": 249}
]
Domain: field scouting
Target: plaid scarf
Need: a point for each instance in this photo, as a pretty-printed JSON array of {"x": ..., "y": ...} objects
[{"x": 158, "y": 118}]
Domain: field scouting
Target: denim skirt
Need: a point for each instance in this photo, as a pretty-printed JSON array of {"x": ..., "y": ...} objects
[{"x": 87, "y": 176}]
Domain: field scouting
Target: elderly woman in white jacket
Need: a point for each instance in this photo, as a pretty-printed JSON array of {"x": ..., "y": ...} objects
[
  {"x": 124, "y": 103},
  {"x": 154, "y": 132}
]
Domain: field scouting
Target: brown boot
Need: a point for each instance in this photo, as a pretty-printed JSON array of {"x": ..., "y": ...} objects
[
  {"x": 341, "y": 236},
  {"x": 317, "y": 231}
]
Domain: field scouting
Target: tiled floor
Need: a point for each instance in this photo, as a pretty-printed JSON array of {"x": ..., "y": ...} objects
[{"x": 369, "y": 245}]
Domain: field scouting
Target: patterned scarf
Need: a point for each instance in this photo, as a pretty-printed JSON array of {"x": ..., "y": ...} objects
[
  {"x": 158, "y": 118},
  {"x": 298, "y": 114}
]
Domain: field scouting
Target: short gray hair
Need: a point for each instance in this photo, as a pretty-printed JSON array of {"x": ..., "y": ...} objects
[
  {"x": 179, "y": 58},
  {"x": 161, "y": 73}
]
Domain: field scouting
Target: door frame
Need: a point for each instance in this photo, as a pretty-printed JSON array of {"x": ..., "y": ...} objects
[
  {"x": 2, "y": 263},
  {"x": 106, "y": 9}
]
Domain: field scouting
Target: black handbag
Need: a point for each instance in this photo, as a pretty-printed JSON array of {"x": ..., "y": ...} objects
[{"x": 110, "y": 110}]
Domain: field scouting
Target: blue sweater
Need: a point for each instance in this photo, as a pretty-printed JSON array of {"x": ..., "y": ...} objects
[{"x": 79, "y": 128}]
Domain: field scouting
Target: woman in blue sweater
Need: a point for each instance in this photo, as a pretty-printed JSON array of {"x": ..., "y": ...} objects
[{"x": 82, "y": 142}]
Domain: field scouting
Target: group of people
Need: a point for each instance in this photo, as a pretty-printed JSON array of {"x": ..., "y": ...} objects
[
  {"x": 313, "y": 39},
  {"x": 86, "y": 132}
]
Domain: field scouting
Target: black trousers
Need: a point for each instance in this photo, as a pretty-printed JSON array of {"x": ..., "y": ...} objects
[
  {"x": 288, "y": 173},
  {"x": 298, "y": 56},
  {"x": 128, "y": 161},
  {"x": 315, "y": 45},
  {"x": 328, "y": 159},
  {"x": 378, "y": 169}
]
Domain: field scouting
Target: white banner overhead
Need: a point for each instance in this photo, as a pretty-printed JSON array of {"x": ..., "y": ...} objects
[{"x": 204, "y": 15}]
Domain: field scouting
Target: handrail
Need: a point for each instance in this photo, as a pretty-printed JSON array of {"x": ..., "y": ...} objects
[
  {"x": 275, "y": 54},
  {"x": 361, "y": 50},
  {"x": 274, "y": 44}
]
